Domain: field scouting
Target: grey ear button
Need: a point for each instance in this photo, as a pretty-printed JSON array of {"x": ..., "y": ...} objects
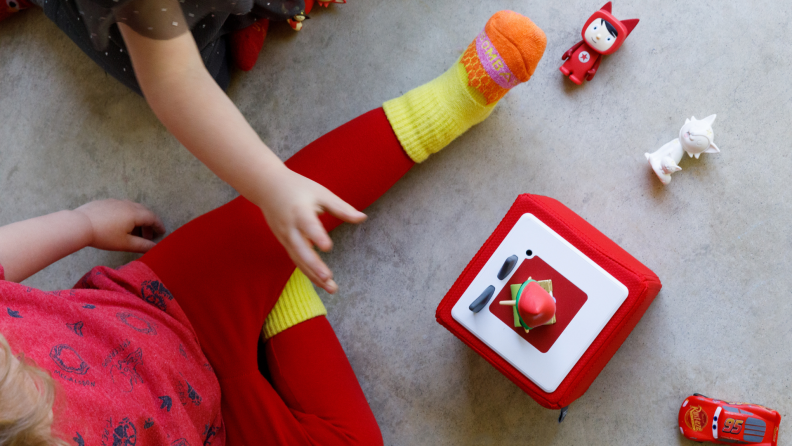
[
  {"x": 507, "y": 267},
  {"x": 482, "y": 300}
]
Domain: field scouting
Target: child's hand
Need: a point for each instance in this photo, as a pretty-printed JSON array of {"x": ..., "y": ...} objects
[
  {"x": 114, "y": 224},
  {"x": 213, "y": 129},
  {"x": 291, "y": 204}
]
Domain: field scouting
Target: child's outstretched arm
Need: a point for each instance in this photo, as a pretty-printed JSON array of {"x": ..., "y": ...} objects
[
  {"x": 198, "y": 113},
  {"x": 27, "y": 247}
]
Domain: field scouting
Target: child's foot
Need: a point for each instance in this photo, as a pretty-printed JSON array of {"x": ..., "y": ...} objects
[
  {"x": 501, "y": 57},
  {"x": 8, "y": 7},
  {"x": 246, "y": 44},
  {"x": 323, "y": 3}
]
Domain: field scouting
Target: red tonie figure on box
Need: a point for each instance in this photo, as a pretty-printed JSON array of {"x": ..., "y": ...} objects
[{"x": 602, "y": 34}]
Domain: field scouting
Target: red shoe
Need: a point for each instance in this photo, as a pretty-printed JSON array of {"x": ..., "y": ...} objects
[
  {"x": 246, "y": 44},
  {"x": 327, "y": 3}
]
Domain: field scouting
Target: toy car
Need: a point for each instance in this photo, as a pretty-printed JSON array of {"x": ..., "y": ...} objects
[{"x": 721, "y": 422}]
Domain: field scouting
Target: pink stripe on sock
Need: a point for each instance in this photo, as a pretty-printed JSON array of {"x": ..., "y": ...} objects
[{"x": 493, "y": 63}]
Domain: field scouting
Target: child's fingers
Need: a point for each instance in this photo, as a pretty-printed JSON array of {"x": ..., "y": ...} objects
[
  {"x": 327, "y": 285},
  {"x": 309, "y": 262},
  {"x": 315, "y": 232},
  {"x": 341, "y": 208},
  {"x": 147, "y": 232},
  {"x": 308, "y": 257},
  {"x": 137, "y": 244},
  {"x": 145, "y": 218}
]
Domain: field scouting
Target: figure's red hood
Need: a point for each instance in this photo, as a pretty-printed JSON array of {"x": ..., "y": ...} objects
[{"x": 624, "y": 27}]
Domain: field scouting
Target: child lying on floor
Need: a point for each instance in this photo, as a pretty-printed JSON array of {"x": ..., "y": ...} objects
[{"x": 164, "y": 350}]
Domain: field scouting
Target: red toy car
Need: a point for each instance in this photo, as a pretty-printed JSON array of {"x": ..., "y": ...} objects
[{"x": 721, "y": 422}]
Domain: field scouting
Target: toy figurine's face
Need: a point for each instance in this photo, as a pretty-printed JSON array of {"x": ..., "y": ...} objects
[
  {"x": 601, "y": 35},
  {"x": 697, "y": 137}
]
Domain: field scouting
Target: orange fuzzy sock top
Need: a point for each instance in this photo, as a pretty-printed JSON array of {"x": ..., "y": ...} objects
[{"x": 504, "y": 54}]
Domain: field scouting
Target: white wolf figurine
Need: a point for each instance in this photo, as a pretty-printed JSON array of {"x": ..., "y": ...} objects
[{"x": 695, "y": 137}]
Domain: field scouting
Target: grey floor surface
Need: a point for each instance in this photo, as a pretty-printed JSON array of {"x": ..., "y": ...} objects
[{"x": 718, "y": 236}]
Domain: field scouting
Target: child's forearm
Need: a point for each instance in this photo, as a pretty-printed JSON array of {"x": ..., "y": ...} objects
[
  {"x": 192, "y": 106},
  {"x": 198, "y": 113},
  {"x": 27, "y": 247}
]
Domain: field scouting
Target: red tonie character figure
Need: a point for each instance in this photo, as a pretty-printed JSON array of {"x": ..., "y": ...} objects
[{"x": 602, "y": 34}]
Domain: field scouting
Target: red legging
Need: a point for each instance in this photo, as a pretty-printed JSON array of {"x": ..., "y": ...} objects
[{"x": 227, "y": 270}]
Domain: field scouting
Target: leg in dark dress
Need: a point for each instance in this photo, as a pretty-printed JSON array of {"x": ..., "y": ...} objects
[{"x": 115, "y": 58}]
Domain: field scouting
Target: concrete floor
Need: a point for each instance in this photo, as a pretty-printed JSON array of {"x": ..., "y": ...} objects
[{"x": 717, "y": 236}]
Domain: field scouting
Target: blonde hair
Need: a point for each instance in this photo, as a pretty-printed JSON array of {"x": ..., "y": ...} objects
[{"x": 27, "y": 395}]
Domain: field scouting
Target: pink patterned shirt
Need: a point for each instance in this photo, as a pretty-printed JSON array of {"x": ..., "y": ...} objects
[{"x": 126, "y": 359}]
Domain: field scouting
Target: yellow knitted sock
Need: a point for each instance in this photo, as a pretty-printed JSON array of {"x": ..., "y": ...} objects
[
  {"x": 297, "y": 303},
  {"x": 505, "y": 54},
  {"x": 428, "y": 118}
]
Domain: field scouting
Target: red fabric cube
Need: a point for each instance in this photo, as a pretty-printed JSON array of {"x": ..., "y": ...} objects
[{"x": 642, "y": 285}]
